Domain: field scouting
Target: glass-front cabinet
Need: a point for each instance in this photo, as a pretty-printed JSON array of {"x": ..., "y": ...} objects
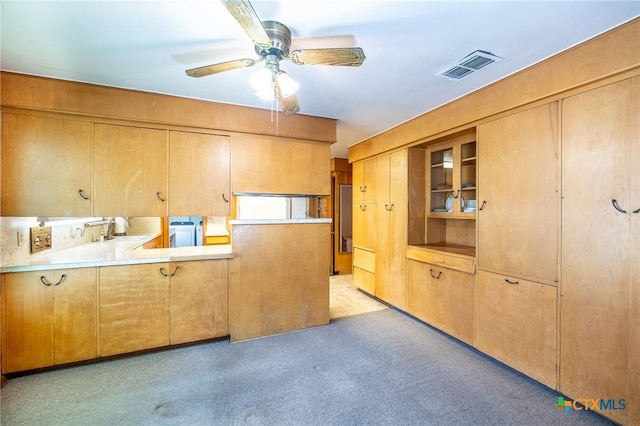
[
  {"x": 442, "y": 194},
  {"x": 452, "y": 180}
]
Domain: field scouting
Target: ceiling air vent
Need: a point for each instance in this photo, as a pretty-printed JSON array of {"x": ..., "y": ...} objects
[{"x": 469, "y": 64}]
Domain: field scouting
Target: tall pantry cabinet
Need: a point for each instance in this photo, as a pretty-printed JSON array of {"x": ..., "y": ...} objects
[
  {"x": 600, "y": 352},
  {"x": 364, "y": 225},
  {"x": 391, "y": 227},
  {"x": 516, "y": 285}
]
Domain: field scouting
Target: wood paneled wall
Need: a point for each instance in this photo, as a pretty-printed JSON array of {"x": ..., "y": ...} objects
[{"x": 46, "y": 94}]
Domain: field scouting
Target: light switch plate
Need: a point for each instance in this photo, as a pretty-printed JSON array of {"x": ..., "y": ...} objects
[{"x": 40, "y": 238}]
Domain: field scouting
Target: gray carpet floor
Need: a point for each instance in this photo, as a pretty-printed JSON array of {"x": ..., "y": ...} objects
[{"x": 379, "y": 368}]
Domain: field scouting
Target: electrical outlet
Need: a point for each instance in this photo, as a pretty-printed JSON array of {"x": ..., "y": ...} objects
[{"x": 40, "y": 238}]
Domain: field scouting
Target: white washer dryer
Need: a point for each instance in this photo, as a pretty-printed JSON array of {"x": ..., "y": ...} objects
[{"x": 185, "y": 233}]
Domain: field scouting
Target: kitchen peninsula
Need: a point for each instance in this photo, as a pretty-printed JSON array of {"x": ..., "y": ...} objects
[{"x": 112, "y": 297}]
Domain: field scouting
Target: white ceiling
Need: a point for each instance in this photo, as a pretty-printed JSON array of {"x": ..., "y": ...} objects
[{"x": 147, "y": 45}]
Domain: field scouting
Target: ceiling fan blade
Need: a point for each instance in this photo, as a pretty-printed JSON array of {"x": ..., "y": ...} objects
[
  {"x": 289, "y": 104},
  {"x": 221, "y": 67},
  {"x": 350, "y": 56},
  {"x": 248, "y": 19}
]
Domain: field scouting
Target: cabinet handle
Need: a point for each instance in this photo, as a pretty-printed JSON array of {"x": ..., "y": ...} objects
[
  {"x": 455, "y": 194},
  {"x": 614, "y": 202},
  {"x": 224, "y": 197},
  {"x": 637, "y": 211},
  {"x": 512, "y": 282},
  {"x": 363, "y": 207},
  {"x": 159, "y": 197},
  {"x": 363, "y": 188},
  {"x": 44, "y": 280},
  {"x": 482, "y": 206},
  {"x": 81, "y": 194},
  {"x": 388, "y": 208},
  {"x": 164, "y": 274},
  {"x": 437, "y": 277}
]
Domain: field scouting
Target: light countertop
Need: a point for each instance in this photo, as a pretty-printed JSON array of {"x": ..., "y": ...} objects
[{"x": 125, "y": 250}]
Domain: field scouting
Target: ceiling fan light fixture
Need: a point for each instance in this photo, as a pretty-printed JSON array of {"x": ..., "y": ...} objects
[
  {"x": 262, "y": 82},
  {"x": 287, "y": 85}
]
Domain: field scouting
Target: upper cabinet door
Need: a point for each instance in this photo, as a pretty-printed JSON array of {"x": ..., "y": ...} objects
[
  {"x": 518, "y": 194},
  {"x": 199, "y": 167},
  {"x": 272, "y": 165},
  {"x": 130, "y": 171},
  {"x": 364, "y": 176},
  {"x": 452, "y": 179},
  {"x": 46, "y": 166}
]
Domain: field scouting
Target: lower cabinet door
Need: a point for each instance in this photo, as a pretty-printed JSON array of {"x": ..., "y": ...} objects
[
  {"x": 199, "y": 300},
  {"x": 441, "y": 297},
  {"x": 134, "y": 307},
  {"x": 515, "y": 323},
  {"x": 49, "y": 318}
]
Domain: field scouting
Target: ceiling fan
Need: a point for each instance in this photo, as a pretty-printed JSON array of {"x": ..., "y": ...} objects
[{"x": 272, "y": 42}]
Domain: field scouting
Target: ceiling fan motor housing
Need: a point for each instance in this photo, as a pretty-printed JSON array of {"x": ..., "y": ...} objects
[{"x": 280, "y": 37}]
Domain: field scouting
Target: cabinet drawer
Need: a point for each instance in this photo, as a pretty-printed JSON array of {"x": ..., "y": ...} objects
[
  {"x": 446, "y": 260},
  {"x": 364, "y": 259},
  {"x": 516, "y": 324},
  {"x": 364, "y": 280}
]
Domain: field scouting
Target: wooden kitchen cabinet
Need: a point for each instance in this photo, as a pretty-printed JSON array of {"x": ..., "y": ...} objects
[
  {"x": 278, "y": 279},
  {"x": 364, "y": 177},
  {"x": 600, "y": 304},
  {"x": 391, "y": 227},
  {"x": 442, "y": 187},
  {"x": 364, "y": 225},
  {"x": 272, "y": 165},
  {"x": 515, "y": 323},
  {"x": 199, "y": 173},
  {"x": 441, "y": 297},
  {"x": 50, "y": 318},
  {"x": 159, "y": 304},
  {"x": 199, "y": 300},
  {"x": 364, "y": 270},
  {"x": 46, "y": 166},
  {"x": 130, "y": 171},
  {"x": 452, "y": 177},
  {"x": 518, "y": 194},
  {"x": 134, "y": 307}
]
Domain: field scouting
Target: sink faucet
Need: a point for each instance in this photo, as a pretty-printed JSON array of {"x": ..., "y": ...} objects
[{"x": 110, "y": 229}]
